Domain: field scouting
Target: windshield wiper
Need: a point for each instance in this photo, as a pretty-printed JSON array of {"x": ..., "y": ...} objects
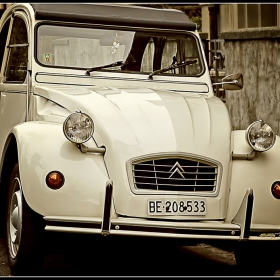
[
  {"x": 96, "y": 68},
  {"x": 172, "y": 66}
]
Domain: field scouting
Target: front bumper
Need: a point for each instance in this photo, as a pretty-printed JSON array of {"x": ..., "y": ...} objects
[
  {"x": 146, "y": 228},
  {"x": 240, "y": 227}
]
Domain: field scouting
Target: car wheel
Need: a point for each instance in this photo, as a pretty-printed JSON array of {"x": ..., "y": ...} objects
[
  {"x": 257, "y": 258},
  {"x": 24, "y": 230}
]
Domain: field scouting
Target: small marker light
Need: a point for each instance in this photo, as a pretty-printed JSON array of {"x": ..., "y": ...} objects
[
  {"x": 55, "y": 180},
  {"x": 275, "y": 189}
]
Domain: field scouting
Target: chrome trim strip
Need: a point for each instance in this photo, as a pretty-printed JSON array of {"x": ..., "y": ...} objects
[
  {"x": 74, "y": 225},
  {"x": 184, "y": 231},
  {"x": 244, "y": 156},
  {"x": 28, "y": 91},
  {"x": 145, "y": 79},
  {"x": 155, "y": 228},
  {"x": 266, "y": 238},
  {"x": 93, "y": 220},
  {"x": 72, "y": 229},
  {"x": 147, "y": 230},
  {"x": 14, "y": 92},
  {"x": 85, "y": 149},
  {"x": 173, "y": 235},
  {"x": 244, "y": 214},
  {"x": 114, "y": 232},
  {"x": 105, "y": 226}
]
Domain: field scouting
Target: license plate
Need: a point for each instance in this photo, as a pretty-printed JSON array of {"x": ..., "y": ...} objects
[{"x": 187, "y": 207}]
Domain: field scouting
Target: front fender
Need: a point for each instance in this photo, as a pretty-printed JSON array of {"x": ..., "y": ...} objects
[
  {"x": 42, "y": 147},
  {"x": 257, "y": 174}
]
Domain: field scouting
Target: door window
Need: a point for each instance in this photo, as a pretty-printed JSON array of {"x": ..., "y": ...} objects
[
  {"x": 17, "y": 52},
  {"x": 3, "y": 39}
]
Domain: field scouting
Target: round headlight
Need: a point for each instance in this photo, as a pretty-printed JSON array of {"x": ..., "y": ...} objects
[
  {"x": 260, "y": 136},
  {"x": 78, "y": 127}
]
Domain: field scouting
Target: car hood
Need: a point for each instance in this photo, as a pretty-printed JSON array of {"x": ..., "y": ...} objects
[
  {"x": 148, "y": 120},
  {"x": 136, "y": 122}
]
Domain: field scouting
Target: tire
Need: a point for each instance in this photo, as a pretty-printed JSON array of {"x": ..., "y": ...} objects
[
  {"x": 257, "y": 258},
  {"x": 24, "y": 229}
]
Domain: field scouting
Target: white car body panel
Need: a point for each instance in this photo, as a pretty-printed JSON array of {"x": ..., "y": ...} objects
[
  {"x": 144, "y": 121},
  {"x": 136, "y": 118}
]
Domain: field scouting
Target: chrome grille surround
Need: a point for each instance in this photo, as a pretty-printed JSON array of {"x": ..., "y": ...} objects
[{"x": 180, "y": 173}]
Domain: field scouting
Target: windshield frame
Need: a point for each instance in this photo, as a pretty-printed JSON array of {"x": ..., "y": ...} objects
[{"x": 123, "y": 28}]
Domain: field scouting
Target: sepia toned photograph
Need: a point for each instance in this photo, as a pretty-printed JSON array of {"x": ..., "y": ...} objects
[{"x": 139, "y": 139}]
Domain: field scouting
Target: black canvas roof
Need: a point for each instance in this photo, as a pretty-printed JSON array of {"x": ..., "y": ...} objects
[{"x": 127, "y": 15}]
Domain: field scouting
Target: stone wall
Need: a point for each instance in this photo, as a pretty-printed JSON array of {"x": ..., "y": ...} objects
[{"x": 256, "y": 54}]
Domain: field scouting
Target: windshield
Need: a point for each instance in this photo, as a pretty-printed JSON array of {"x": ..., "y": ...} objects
[{"x": 140, "y": 51}]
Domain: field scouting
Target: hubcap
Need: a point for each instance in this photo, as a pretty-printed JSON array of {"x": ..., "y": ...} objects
[{"x": 15, "y": 217}]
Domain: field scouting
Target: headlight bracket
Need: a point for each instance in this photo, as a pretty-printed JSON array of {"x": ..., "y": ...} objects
[{"x": 85, "y": 149}]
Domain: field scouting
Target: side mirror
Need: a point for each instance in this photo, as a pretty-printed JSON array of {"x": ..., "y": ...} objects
[{"x": 232, "y": 82}]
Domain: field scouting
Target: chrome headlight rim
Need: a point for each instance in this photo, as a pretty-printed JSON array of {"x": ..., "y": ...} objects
[
  {"x": 74, "y": 139},
  {"x": 252, "y": 143}
]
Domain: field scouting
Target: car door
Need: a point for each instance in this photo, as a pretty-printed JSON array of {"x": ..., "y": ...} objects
[{"x": 13, "y": 85}]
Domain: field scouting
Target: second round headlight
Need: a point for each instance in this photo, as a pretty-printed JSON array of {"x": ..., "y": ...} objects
[
  {"x": 260, "y": 136},
  {"x": 78, "y": 127}
]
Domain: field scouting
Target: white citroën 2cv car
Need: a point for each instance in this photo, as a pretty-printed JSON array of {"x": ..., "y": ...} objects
[{"x": 109, "y": 126}]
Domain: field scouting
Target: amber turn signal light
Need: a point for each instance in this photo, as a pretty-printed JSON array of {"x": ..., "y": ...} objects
[
  {"x": 275, "y": 189},
  {"x": 55, "y": 180}
]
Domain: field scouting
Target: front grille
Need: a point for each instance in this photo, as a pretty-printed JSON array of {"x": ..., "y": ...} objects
[{"x": 175, "y": 174}]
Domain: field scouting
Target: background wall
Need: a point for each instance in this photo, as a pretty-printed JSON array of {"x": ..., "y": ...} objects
[{"x": 256, "y": 54}]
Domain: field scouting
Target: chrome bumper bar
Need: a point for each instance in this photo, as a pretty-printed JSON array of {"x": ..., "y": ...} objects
[{"x": 238, "y": 229}]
